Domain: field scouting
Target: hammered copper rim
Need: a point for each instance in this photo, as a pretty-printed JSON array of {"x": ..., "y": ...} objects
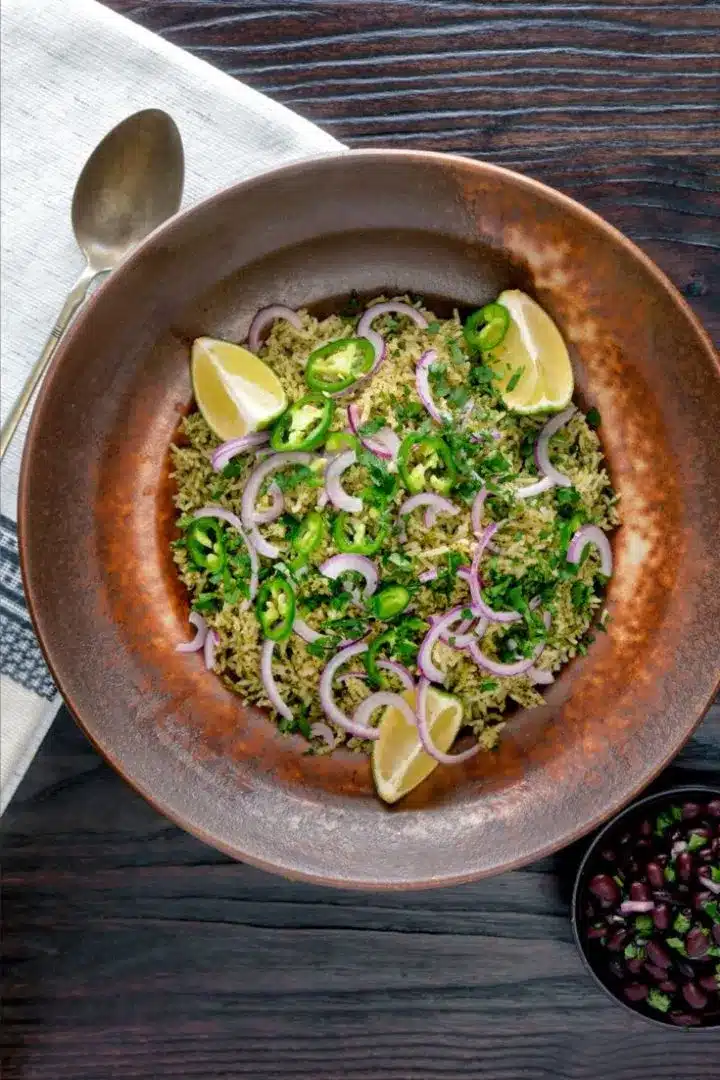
[{"x": 95, "y": 517}]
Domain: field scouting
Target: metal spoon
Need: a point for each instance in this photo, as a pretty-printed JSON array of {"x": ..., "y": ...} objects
[{"x": 130, "y": 184}]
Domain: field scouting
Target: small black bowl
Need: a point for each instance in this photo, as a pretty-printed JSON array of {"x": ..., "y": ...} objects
[{"x": 592, "y": 863}]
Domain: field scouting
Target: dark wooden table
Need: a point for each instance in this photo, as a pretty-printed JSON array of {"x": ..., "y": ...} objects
[{"x": 132, "y": 950}]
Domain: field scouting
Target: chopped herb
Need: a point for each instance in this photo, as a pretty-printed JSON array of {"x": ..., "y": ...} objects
[
  {"x": 456, "y": 354},
  {"x": 353, "y": 305},
  {"x": 321, "y": 647},
  {"x": 458, "y": 396},
  {"x": 676, "y": 812},
  {"x": 697, "y": 841},
  {"x": 657, "y": 1000},
  {"x": 713, "y": 909},
  {"x": 644, "y": 924},
  {"x": 634, "y": 951},
  {"x": 401, "y": 561},
  {"x": 370, "y": 427},
  {"x": 514, "y": 379},
  {"x": 488, "y": 685},
  {"x": 669, "y": 873},
  {"x": 678, "y": 944},
  {"x": 663, "y": 822},
  {"x": 593, "y": 418},
  {"x": 715, "y": 874},
  {"x": 682, "y": 923},
  {"x": 580, "y": 595},
  {"x": 432, "y": 328}
]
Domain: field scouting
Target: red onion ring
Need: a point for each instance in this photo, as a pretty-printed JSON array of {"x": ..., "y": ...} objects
[
  {"x": 333, "y": 486},
  {"x": 422, "y": 384},
  {"x": 268, "y": 315},
  {"x": 197, "y": 620},
  {"x": 535, "y": 489},
  {"x": 495, "y": 667},
  {"x": 320, "y": 730},
  {"x": 636, "y": 907},
  {"x": 385, "y": 443},
  {"x": 477, "y": 509},
  {"x": 539, "y": 676},
  {"x": 252, "y": 490},
  {"x": 331, "y": 710},
  {"x": 427, "y": 575},
  {"x": 269, "y": 681},
  {"x": 381, "y": 699},
  {"x": 211, "y": 642},
  {"x": 542, "y": 448},
  {"x": 400, "y": 670},
  {"x": 230, "y": 449},
  {"x": 424, "y": 734},
  {"x": 476, "y": 587},
  {"x": 364, "y": 327},
  {"x": 591, "y": 534},
  {"x": 437, "y": 503},
  {"x": 301, "y": 628},
  {"x": 264, "y": 517},
  {"x": 434, "y": 634},
  {"x": 337, "y": 565},
  {"x": 234, "y": 520}
]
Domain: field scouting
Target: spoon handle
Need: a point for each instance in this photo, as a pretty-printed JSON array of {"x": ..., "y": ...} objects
[{"x": 75, "y": 298}]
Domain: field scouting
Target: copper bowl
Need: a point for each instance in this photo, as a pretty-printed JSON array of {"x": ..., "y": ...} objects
[{"x": 96, "y": 517}]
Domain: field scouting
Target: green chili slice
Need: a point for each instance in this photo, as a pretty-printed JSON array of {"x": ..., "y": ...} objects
[
  {"x": 339, "y": 364},
  {"x": 486, "y": 328},
  {"x": 350, "y": 535},
  {"x": 275, "y": 608},
  {"x": 304, "y": 425},
  {"x": 390, "y": 601},
  {"x": 309, "y": 536},
  {"x": 425, "y": 462},
  {"x": 338, "y": 441},
  {"x": 206, "y": 544}
]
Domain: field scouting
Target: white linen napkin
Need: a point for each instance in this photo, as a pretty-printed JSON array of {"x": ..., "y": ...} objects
[{"x": 71, "y": 70}]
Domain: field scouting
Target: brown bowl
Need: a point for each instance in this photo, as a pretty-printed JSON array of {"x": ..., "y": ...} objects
[{"x": 96, "y": 517}]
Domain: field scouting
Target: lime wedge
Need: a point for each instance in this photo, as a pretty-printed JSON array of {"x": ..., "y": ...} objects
[
  {"x": 235, "y": 391},
  {"x": 532, "y": 360},
  {"x": 399, "y": 762}
]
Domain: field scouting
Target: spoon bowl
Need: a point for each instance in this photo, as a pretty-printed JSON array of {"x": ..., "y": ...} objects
[{"x": 130, "y": 184}]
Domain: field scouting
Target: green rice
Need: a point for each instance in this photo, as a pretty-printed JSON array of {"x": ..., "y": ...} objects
[{"x": 529, "y": 547}]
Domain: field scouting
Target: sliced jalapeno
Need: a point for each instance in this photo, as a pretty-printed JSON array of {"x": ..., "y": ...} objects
[
  {"x": 304, "y": 425},
  {"x": 206, "y": 544},
  {"x": 275, "y": 608},
  {"x": 309, "y": 537},
  {"x": 486, "y": 328},
  {"x": 350, "y": 535},
  {"x": 339, "y": 364},
  {"x": 341, "y": 440},
  {"x": 390, "y": 601},
  {"x": 425, "y": 462}
]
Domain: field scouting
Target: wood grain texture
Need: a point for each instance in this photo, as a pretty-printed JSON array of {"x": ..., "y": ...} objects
[{"x": 134, "y": 951}]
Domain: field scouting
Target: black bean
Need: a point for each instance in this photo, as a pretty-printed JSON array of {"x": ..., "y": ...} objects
[
  {"x": 661, "y": 916},
  {"x": 685, "y": 1019},
  {"x": 657, "y": 955},
  {"x": 690, "y": 811},
  {"x": 639, "y": 891},
  {"x": 694, "y": 995},
  {"x": 608, "y": 855},
  {"x": 668, "y": 986},
  {"x": 625, "y": 839},
  {"x": 655, "y": 875},
  {"x": 643, "y": 843},
  {"x": 710, "y": 982},
  {"x": 603, "y": 886},
  {"x": 615, "y": 968},
  {"x": 685, "y": 969},
  {"x": 713, "y": 808},
  {"x": 662, "y": 896},
  {"x": 657, "y": 973},
  {"x": 716, "y": 933},
  {"x": 635, "y": 991},
  {"x": 684, "y": 865},
  {"x": 696, "y": 943},
  {"x": 617, "y": 940},
  {"x": 589, "y": 910}
]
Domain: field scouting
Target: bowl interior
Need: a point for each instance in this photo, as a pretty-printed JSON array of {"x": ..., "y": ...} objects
[
  {"x": 647, "y": 807},
  {"x": 96, "y": 516}
]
